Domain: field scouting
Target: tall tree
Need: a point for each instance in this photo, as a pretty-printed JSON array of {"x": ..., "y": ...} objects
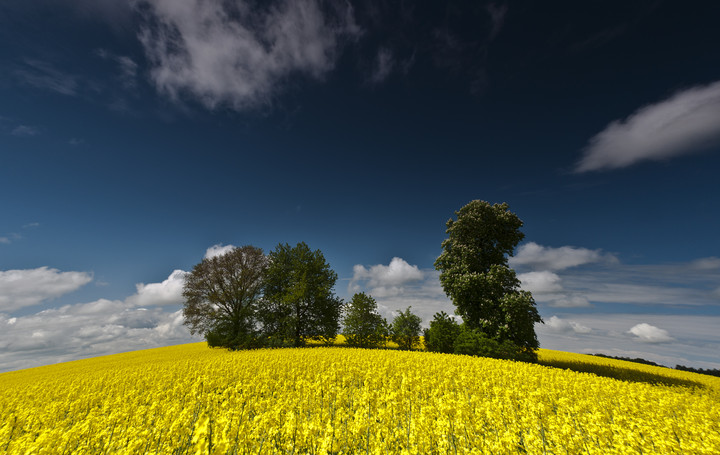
[
  {"x": 221, "y": 295},
  {"x": 474, "y": 273},
  {"x": 364, "y": 327},
  {"x": 405, "y": 329},
  {"x": 299, "y": 302}
]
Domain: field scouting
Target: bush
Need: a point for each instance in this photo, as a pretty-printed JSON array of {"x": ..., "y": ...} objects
[
  {"x": 474, "y": 342},
  {"x": 441, "y": 335}
]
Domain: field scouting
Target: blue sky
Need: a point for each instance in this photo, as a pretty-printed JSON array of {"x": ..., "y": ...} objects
[{"x": 136, "y": 137}]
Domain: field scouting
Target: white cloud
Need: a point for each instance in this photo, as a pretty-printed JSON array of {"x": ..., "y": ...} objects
[
  {"x": 709, "y": 263},
  {"x": 686, "y": 122},
  {"x": 400, "y": 285},
  {"x": 96, "y": 328},
  {"x": 570, "y": 301},
  {"x": 4, "y": 240},
  {"x": 25, "y": 131},
  {"x": 544, "y": 282},
  {"x": 87, "y": 330},
  {"x": 235, "y": 54},
  {"x": 394, "y": 275},
  {"x": 563, "y": 325},
  {"x": 650, "y": 334},
  {"x": 695, "y": 340},
  {"x": 547, "y": 258},
  {"x": 24, "y": 288},
  {"x": 218, "y": 250},
  {"x": 169, "y": 292}
]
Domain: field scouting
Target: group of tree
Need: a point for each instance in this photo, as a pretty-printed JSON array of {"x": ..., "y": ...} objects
[
  {"x": 245, "y": 299},
  {"x": 364, "y": 327}
]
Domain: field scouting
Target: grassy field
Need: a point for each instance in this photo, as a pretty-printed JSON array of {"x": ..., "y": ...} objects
[{"x": 192, "y": 399}]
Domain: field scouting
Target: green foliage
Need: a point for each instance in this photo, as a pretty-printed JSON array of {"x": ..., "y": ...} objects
[
  {"x": 221, "y": 297},
  {"x": 299, "y": 302},
  {"x": 441, "y": 335},
  {"x": 474, "y": 342},
  {"x": 405, "y": 330},
  {"x": 364, "y": 327},
  {"x": 474, "y": 273}
]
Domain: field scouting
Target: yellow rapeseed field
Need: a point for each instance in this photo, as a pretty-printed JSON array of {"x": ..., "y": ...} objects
[{"x": 192, "y": 399}]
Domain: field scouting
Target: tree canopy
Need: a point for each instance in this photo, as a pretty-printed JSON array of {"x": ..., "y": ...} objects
[
  {"x": 364, "y": 327},
  {"x": 474, "y": 273},
  {"x": 299, "y": 302},
  {"x": 221, "y": 296},
  {"x": 405, "y": 329}
]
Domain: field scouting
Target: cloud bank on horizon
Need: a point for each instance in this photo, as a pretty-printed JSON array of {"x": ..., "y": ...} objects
[{"x": 152, "y": 316}]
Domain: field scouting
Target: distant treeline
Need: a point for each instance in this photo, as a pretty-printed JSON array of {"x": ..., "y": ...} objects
[
  {"x": 677, "y": 367},
  {"x": 714, "y": 372}
]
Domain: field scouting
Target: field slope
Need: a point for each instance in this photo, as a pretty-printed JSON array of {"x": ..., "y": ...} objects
[{"x": 191, "y": 399}]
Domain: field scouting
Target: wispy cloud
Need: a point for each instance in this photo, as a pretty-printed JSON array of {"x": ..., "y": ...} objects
[
  {"x": 564, "y": 325},
  {"x": 46, "y": 76},
  {"x": 25, "y": 131},
  {"x": 694, "y": 341},
  {"x": 384, "y": 64},
  {"x": 547, "y": 258},
  {"x": 497, "y": 14},
  {"x": 686, "y": 122},
  {"x": 127, "y": 68},
  {"x": 235, "y": 55}
]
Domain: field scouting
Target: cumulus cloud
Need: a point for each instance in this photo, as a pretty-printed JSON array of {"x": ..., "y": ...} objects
[
  {"x": 563, "y": 325},
  {"x": 547, "y": 258},
  {"x": 87, "y": 330},
  {"x": 399, "y": 285},
  {"x": 385, "y": 279},
  {"x": 544, "y": 282},
  {"x": 218, "y": 250},
  {"x": 168, "y": 292},
  {"x": 235, "y": 54},
  {"x": 24, "y": 288},
  {"x": 650, "y": 334},
  {"x": 684, "y": 123},
  {"x": 99, "y": 327}
]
